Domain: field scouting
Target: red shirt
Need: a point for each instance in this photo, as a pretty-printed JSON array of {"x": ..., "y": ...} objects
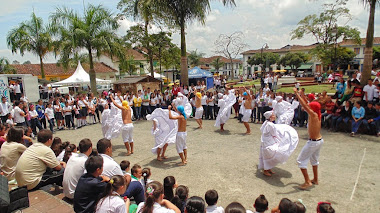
[
  {"x": 330, "y": 107},
  {"x": 358, "y": 92},
  {"x": 175, "y": 90}
]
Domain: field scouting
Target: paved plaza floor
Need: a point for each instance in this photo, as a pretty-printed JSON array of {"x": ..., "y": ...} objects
[{"x": 227, "y": 162}]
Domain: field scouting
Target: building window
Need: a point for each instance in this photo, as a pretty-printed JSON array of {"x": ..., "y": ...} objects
[
  {"x": 142, "y": 66},
  {"x": 357, "y": 51},
  {"x": 249, "y": 57}
]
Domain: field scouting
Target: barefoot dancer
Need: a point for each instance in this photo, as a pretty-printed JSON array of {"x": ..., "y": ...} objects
[
  {"x": 247, "y": 111},
  {"x": 164, "y": 131},
  {"x": 127, "y": 127},
  {"x": 199, "y": 109},
  {"x": 225, "y": 105},
  {"x": 181, "y": 134},
  {"x": 278, "y": 142},
  {"x": 313, "y": 146}
]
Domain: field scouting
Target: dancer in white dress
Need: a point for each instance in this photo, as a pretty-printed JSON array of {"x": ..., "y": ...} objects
[
  {"x": 164, "y": 131},
  {"x": 105, "y": 121},
  {"x": 278, "y": 142},
  {"x": 225, "y": 104},
  {"x": 283, "y": 110}
]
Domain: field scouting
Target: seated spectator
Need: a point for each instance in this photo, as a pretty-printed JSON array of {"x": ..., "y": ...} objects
[
  {"x": 358, "y": 113},
  {"x": 345, "y": 115},
  {"x": 337, "y": 113},
  {"x": 347, "y": 92},
  {"x": 169, "y": 185},
  {"x": 155, "y": 201},
  {"x": 377, "y": 120},
  {"x": 69, "y": 151},
  {"x": 11, "y": 152},
  {"x": 3, "y": 134},
  {"x": 261, "y": 204},
  {"x": 146, "y": 173},
  {"x": 370, "y": 114},
  {"x": 90, "y": 186},
  {"x": 285, "y": 206},
  {"x": 111, "y": 201},
  {"x": 325, "y": 207},
  {"x": 75, "y": 168},
  {"x": 340, "y": 87},
  {"x": 211, "y": 198},
  {"x": 110, "y": 167},
  {"x": 329, "y": 106},
  {"x": 27, "y": 138},
  {"x": 236, "y": 207},
  {"x": 38, "y": 165},
  {"x": 135, "y": 188},
  {"x": 180, "y": 197},
  {"x": 301, "y": 208},
  {"x": 358, "y": 93},
  {"x": 195, "y": 204}
]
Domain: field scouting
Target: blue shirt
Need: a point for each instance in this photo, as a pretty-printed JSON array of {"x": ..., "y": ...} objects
[
  {"x": 41, "y": 111},
  {"x": 340, "y": 87},
  {"x": 87, "y": 193},
  {"x": 358, "y": 113},
  {"x": 135, "y": 190}
]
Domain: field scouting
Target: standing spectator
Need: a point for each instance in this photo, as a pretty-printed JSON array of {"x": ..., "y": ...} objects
[
  {"x": 153, "y": 102},
  {"x": 145, "y": 105},
  {"x": 40, "y": 108},
  {"x": 210, "y": 106},
  {"x": 275, "y": 79},
  {"x": 19, "y": 114},
  {"x": 175, "y": 90},
  {"x": 17, "y": 90},
  {"x": 369, "y": 91},
  {"x": 38, "y": 165},
  {"x": 49, "y": 114},
  {"x": 137, "y": 104},
  {"x": 34, "y": 120},
  {"x": 358, "y": 113},
  {"x": 69, "y": 120},
  {"x": 270, "y": 81},
  {"x": 4, "y": 107},
  {"x": 204, "y": 104}
]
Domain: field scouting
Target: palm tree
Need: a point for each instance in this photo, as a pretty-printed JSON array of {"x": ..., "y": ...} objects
[
  {"x": 93, "y": 32},
  {"x": 367, "y": 64},
  {"x": 140, "y": 9},
  {"x": 217, "y": 63},
  {"x": 31, "y": 36},
  {"x": 181, "y": 12},
  {"x": 73, "y": 61},
  {"x": 194, "y": 57},
  {"x": 5, "y": 67}
]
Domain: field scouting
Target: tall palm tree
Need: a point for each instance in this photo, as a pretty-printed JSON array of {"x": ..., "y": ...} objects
[
  {"x": 179, "y": 13},
  {"x": 93, "y": 32},
  {"x": 367, "y": 64},
  {"x": 31, "y": 36},
  {"x": 195, "y": 58},
  {"x": 5, "y": 67},
  {"x": 217, "y": 63},
  {"x": 141, "y": 9}
]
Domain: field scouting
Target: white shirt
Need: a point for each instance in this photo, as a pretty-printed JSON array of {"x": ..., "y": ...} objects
[
  {"x": 50, "y": 113},
  {"x": 111, "y": 204},
  {"x": 17, "y": 116},
  {"x": 17, "y": 88},
  {"x": 33, "y": 114},
  {"x": 370, "y": 92},
  {"x": 73, "y": 171},
  {"x": 25, "y": 99},
  {"x": 376, "y": 94},
  {"x": 203, "y": 100},
  {"x": 67, "y": 108},
  {"x": 211, "y": 103},
  {"x": 81, "y": 103},
  {"x": 5, "y": 108},
  {"x": 110, "y": 167},
  {"x": 265, "y": 90},
  {"x": 214, "y": 209},
  {"x": 9, "y": 122},
  {"x": 157, "y": 208}
]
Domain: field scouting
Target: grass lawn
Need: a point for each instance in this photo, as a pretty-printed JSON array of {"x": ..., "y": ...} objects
[{"x": 309, "y": 89}]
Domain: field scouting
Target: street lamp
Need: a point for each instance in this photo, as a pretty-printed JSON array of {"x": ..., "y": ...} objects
[
  {"x": 265, "y": 46},
  {"x": 334, "y": 33}
]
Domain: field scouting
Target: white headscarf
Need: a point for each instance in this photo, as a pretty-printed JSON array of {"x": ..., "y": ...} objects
[{"x": 268, "y": 114}]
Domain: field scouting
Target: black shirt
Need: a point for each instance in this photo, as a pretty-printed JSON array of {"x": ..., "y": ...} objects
[{"x": 87, "y": 193}]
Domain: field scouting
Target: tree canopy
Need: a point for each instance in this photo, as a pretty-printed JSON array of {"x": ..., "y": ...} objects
[
  {"x": 294, "y": 60},
  {"x": 195, "y": 57},
  {"x": 267, "y": 58}
]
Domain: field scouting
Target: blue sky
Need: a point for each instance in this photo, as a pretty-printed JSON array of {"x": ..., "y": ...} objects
[{"x": 261, "y": 21}]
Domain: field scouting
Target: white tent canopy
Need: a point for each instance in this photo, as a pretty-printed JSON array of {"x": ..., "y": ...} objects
[
  {"x": 80, "y": 76},
  {"x": 158, "y": 75}
]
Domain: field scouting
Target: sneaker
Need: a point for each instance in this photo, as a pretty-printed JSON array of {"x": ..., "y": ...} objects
[{"x": 352, "y": 134}]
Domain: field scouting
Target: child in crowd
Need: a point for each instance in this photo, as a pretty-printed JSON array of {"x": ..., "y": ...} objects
[
  {"x": 125, "y": 167},
  {"x": 180, "y": 198},
  {"x": 70, "y": 150},
  {"x": 146, "y": 173},
  {"x": 211, "y": 198},
  {"x": 110, "y": 200},
  {"x": 235, "y": 207},
  {"x": 155, "y": 202},
  {"x": 325, "y": 207},
  {"x": 90, "y": 185},
  {"x": 135, "y": 188},
  {"x": 301, "y": 208},
  {"x": 169, "y": 185},
  {"x": 195, "y": 204},
  {"x": 49, "y": 114},
  {"x": 285, "y": 206},
  {"x": 261, "y": 204},
  {"x": 9, "y": 120}
]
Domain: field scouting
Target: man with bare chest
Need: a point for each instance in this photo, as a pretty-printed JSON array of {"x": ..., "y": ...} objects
[
  {"x": 247, "y": 111},
  {"x": 313, "y": 146},
  {"x": 199, "y": 109},
  {"x": 181, "y": 134},
  {"x": 127, "y": 128}
]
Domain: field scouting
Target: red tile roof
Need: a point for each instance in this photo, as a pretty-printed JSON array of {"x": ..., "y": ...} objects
[
  {"x": 376, "y": 40},
  {"x": 223, "y": 59},
  {"x": 53, "y": 69},
  {"x": 286, "y": 48}
]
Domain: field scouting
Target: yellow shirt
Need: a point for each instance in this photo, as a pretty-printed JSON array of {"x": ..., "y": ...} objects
[
  {"x": 10, "y": 153},
  {"x": 137, "y": 102}
]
